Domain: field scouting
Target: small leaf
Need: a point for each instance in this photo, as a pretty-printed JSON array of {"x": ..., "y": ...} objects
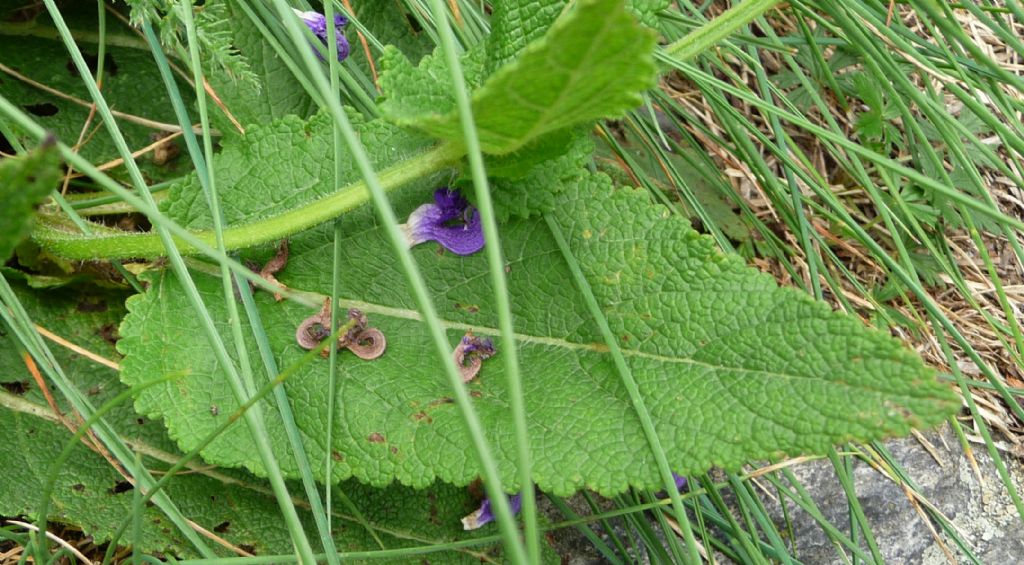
[
  {"x": 732, "y": 367},
  {"x": 592, "y": 63},
  {"x": 25, "y": 181}
]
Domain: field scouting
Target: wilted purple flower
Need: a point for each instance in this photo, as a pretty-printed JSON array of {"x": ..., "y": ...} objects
[
  {"x": 482, "y": 347},
  {"x": 317, "y": 23},
  {"x": 469, "y": 355},
  {"x": 680, "y": 484},
  {"x": 484, "y": 515},
  {"x": 450, "y": 221}
]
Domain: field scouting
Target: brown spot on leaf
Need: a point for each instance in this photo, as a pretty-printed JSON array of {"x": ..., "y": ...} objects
[
  {"x": 92, "y": 305},
  {"x": 121, "y": 486},
  {"x": 109, "y": 333},
  {"x": 336, "y": 455},
  {"x": 78, "y": 487},
  {"x": 17, "y": 387},
  {"x": 42, "y": 110},
  {"x": 376, "y": 437},
  {"x": 440, "y": 401},
  {"x": 422, "y": 417},
  {"x": 222, "y": 527},
  {"x": 166, "y": 151},
  {"x": 476, "y": 394},
  {"x": 394, "y": 450}
]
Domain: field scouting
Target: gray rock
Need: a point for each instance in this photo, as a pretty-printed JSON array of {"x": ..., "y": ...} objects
[{"x": 983, "y": 512}]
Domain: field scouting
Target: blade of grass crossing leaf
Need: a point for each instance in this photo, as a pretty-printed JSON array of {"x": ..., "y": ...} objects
[
  {"x": 861, "y": 234},
  {"x": 137, "y": 510},
  {"x": 496, "y": 265},
  {"x": 858, "y": 521},
  {"x": 220, "y": 429},
  {"x": 150, "y": 210},
  {"x": 826, "y": 115},
  {"x": 18, "y": 321},
  {"x": 252, "y": 416},
  {"x": 241, "y": 377},
  {"x": 11, "y": 137},
  {"x": 332, "y": 371},
  {"x": 288, "y": 420},
  {"x": 491, "y": 477},
  {"x": 57, "y": 465},
  {"x": 275, "y": 44},
  {"x": 634, "y": 392}
]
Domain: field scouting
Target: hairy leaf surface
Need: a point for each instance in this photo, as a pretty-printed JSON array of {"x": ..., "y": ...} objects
[
  {"x": 591, "y": 63},
  {"x": 91, "y": 495},
  {"x": 732, "y": 367},
  {"x": 279, "y": 166}
]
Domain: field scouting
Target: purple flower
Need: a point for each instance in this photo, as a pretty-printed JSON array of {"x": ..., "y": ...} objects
[
  {"x": 483, "y": 515},
  {"x": 482, "y": 347},
  {"x": 317, "y": 23},
  {"x": 680, "y": 485},
  {"x": 450, "y": 221}
]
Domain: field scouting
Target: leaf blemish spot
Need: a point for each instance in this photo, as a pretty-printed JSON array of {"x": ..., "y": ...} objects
[{"x": 375, "y": 437}]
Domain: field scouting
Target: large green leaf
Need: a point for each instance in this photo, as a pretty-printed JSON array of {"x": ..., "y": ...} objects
[
  {"x": 591, "y": 64},
  {"x": 25, "y": 181},
  {"x": 91, "y": 495},
  {"x": 732, "y": 367},
  {"x": 131, "y": 85}
]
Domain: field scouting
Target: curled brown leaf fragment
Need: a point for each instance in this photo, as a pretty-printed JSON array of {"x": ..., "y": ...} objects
[
  {"x": 365, "y": 342},
  {"x": 315, "y": 328},
  {"x": 274, "y": 266},
  {"x": 469, "y": 355},
  {"x": 369, "y": 344}
]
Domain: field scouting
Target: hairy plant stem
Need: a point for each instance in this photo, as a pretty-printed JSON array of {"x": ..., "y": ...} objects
[{"x": 51, "y": 233}]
